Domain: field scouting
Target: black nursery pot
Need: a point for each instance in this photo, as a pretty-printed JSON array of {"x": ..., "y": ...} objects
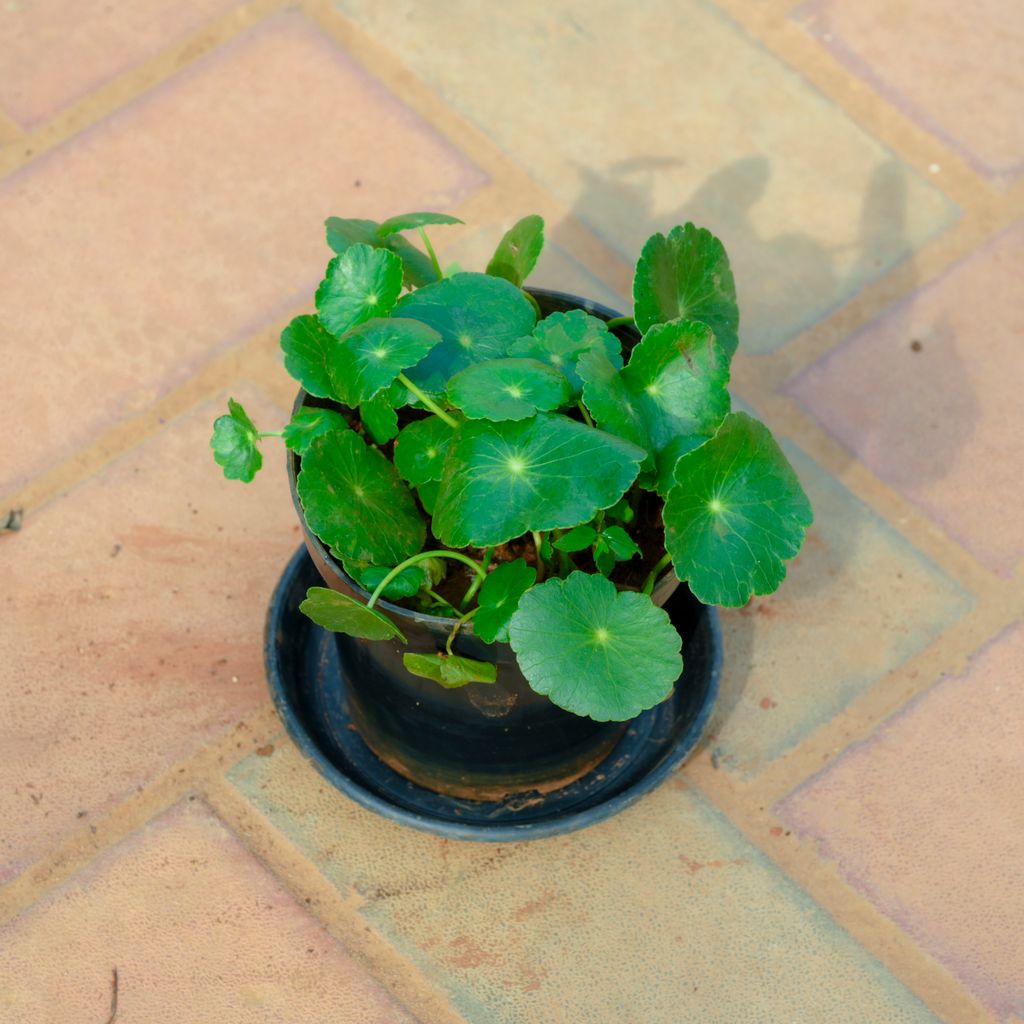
[{"x": 482, "y": 741}]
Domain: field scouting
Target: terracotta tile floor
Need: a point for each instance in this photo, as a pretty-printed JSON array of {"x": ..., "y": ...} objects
[{"x": 847, "y": 843}]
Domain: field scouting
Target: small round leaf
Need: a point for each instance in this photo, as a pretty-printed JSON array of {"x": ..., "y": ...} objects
[
  {"x": 518, "y": 250},
  {"x": 421, "y": 449},
  {"x": 409, "y": 221},
  {"x": 593, "y": 650},
  {"x": 379, "y": 417},
  {"x": 344, "y": 233},
  {"x": 499, "y": 598},
  {"x": 306, "y": 343},
  {"x": 735, "y": 513},
  {"x": 360, "y": 284},
  {"x": 507, "y": 389},
  {"x": 356, "y": 503},
  {"x": 235, "y": 444},
  {"x": 343, "y": 614},
  {"x": 686, "y": 275},
  {"x": 308, "y": 424},
  {"x": 450, "y": 670},
  {"x": 548, "y": 472}
]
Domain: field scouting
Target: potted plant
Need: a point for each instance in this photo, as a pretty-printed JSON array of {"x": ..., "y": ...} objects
[{"x": 500, "y": 488}]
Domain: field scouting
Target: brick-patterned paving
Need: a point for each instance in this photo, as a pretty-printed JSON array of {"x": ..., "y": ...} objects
[{"x": 846, "y": 844}]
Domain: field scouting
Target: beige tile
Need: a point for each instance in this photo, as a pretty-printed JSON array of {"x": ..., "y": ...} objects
[
  {"x": 179, "y": 225},
  {"x": 926, "y": 819},
  {"x": 642, "y": 116},
  {"x": 54, "y": 52},
  {"x": 198, "y": 931},
  {"x": 132, "y": 613}
]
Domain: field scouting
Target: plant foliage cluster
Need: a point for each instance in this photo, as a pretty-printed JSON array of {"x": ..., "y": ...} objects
[{"x": 453, "y": 413}]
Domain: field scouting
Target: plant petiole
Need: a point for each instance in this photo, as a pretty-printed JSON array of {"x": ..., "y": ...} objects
[
  {"x": 422, "y": 557},
  {"x": 475, "y": 585},
  {"x": 440, "y": 600},
  {"x": 586, "y": 415},
  {"x": 427, "y": 401},
  {"x": 538, "y": 543},
  {"x": 619, "y": 321},
  {"x": 648, "y": 586},
  {"x": 534, "y": 303},
  {"x": 455, "y": 629},
  {"x": 271, "y": 433},
  {"x": 432, "y": 254}
]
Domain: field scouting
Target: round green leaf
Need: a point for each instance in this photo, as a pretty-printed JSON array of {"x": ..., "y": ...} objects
[
  {"x": 507, "y": 389},
  {"x": 593, "y": 650},
  {"x": 477, "y": 316},
  {"x": 408, "y": 221},
  {"x": 735, "y": 513},
  {"x": 235, "y": 444},
  {"x": 562, "y": 338},
  {"x": 379, "y": 418},
  {"x": 355, "y": 502},
  {"x": 360, "y": 284},
  {"x": 342, "y": 234},
  {"x": 518, "y": 250},
  {"x": 669, "y": 399},
  {"x": 499, "y": 598},
  {"x": 305, "y": 343},
  {"x": 343, "y": 614},
  {"x": 368, "y": 358},
  {"x": 407, "y": 583},
  {"x": 310, "y": 423},
  {"x": 548, "y": 472},
  {"x": 579, "y": 538},
  {"x": 687, "y": 276},
  {"x": 421, "y": 449},
  {"x": 450, "y": 670},
  {"x": 618, "y": 543}
]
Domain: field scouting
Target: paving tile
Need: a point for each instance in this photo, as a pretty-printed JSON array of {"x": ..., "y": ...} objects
[
  {"x": 645, "y": 117},
  {"x": 925, "y": 818},
  {"x": 928, "y": 396},
  {"x": 197, "y": 929},
  {"x": 182, "y": 223},
  {"x": 55, "y": 52},
  {"x": 857, "y": 602},
  {"x": 663, "y": 915},
  {"x": 132, "y": 614},
  {"x": 912, "y": 51}
]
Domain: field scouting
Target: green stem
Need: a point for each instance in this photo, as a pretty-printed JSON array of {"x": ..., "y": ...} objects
[
  {"x": 428, "y": 401},
  {"x": 440, "y": 600},
  {"x": 455, "y": 629},
  {"x": 655, "y": 573},
  {"x": 421, "y": 557},
  {"x": 586, "y": 415},
  {"x": 271, "y": 433},
  {"x": 619, "y": 321},
  {"x": 534, "y": 303},
  {"x": 538, "y": 541},
  {"x": 475, "y": 585},
  {"x": 432, "y": 254}
]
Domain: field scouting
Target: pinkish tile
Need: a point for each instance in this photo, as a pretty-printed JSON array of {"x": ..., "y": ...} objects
[
  {"x": 182, "y": 223},
  {"x": 954, "y": 67},
  {"x": 926, "y": 819},
  {"x": 54, "y": 52},
  {"x": 132, "y": 613},
  {"x": 929, "y": 397},
  {"x": 197, "y": 929}
]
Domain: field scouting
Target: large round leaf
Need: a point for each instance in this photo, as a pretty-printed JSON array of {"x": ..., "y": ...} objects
[
  {"x": 360, "y": 284},
  {"x": 369, "y": 357},
  {"x": 735, "y": 513},
  {"x": 477, "y": 316},
  {"x": 669, "y": 399},
  {"x": 593, "y": 650},
  {"x": 518, "y": 250},
  {"x": 356, "y": 503},
  {"x": 306, "y": 344},
  {"x": 503, "y": 479},
  {"x": 507, "y": 389},
  {"x": 562, "y": 338},
  {"x": 421, "y": 449},
  {"x": 343, "y": 614},
  {"x": 343, "y": 233},
  {"x": 686, "y": 275}
]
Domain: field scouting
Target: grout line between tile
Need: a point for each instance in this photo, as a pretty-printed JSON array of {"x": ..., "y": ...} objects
[
  {"x": 132, "y": 84},
  {"x": 821, "y": 879},
  {"x": 74, "y": 853},
  {"x": 337, "y": 912}
]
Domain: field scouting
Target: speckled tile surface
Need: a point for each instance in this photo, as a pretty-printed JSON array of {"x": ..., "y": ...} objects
[{"x": 845, "y": 843}]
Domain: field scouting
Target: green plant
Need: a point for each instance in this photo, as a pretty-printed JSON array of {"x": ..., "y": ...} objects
[{"x": 555, "y": 475}]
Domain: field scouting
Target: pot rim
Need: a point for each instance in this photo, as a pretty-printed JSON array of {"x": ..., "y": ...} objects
[{"x": 597, "y": 309}]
